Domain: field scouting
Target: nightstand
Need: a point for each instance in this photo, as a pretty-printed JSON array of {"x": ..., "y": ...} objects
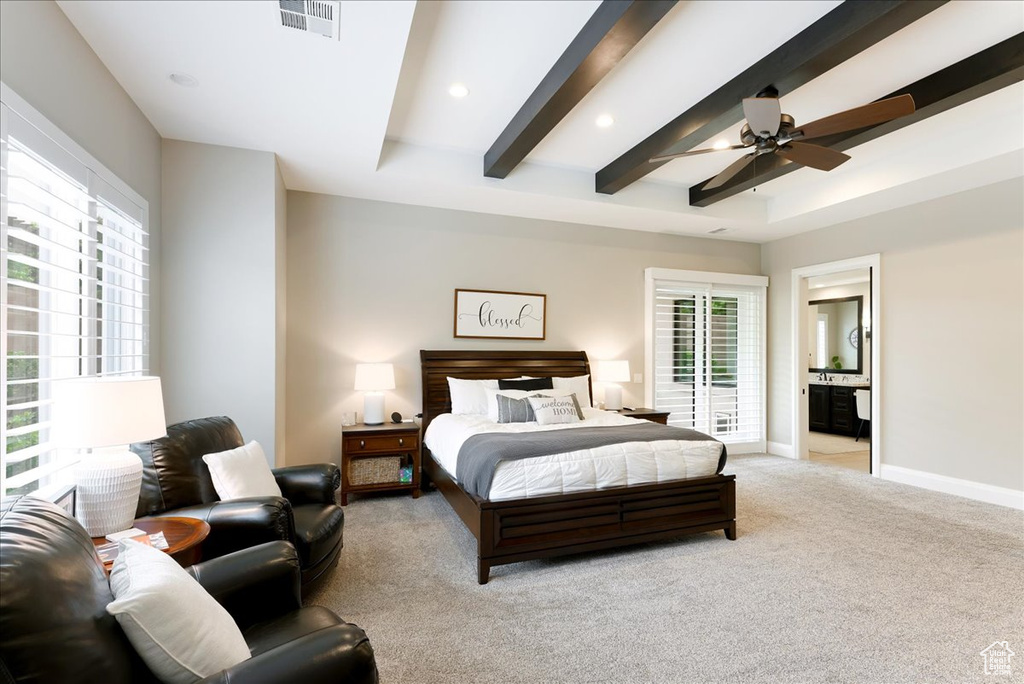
[
  {"x": 374, "y": 456},
  {"x": 646, "y": 414}
]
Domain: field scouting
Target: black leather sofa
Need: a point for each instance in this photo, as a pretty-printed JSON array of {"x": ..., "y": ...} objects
[
  {"x": 177, "y": 482},
  {"x": 54, "y": 626}
]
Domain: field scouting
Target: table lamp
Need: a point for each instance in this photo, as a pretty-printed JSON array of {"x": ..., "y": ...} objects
[
  {"x": 610, "y": 373},
  {"x": 374, "y": 378},
  {"x": 106, "y": 414}
]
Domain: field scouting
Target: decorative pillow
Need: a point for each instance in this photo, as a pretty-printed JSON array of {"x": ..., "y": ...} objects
[
  {"x": 492, "y": 401},
  {"x": 242, "y": 472},
  {"x": 526, "y": 384},
  {"x": 469, "y": 396},
  {"x": 176, "y": 627},
  {"x": 579, "y": 385},
  {"x": 555, "y": 410},
  {"x": 514, "y": 410}
]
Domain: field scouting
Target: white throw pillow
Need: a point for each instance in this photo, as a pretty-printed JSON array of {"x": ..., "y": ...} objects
[
  {"x": 468, "y": 396},
  {"x": 579, "y": 385},
  {"x": 238, "y": 473},
  {"x": 556, "y": 410},
  {"x": 176, "y": 627}
]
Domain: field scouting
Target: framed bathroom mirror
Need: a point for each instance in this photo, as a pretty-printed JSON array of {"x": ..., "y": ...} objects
[{"x": 835, "y": 335}]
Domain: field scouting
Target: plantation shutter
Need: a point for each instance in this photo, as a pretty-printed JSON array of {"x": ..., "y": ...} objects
[
  {"x": 75, "y": 290},
  {"x": 706, "y": 353}
]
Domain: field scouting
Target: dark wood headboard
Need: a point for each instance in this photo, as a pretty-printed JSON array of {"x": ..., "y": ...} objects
[{"x": 438, "y": 366}]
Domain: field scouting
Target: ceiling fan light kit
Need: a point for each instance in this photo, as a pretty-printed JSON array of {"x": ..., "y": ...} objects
[{"x": 770, "y": 131}]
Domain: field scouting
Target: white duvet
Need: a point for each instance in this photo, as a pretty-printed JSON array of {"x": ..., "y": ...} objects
[{"x": 575, "y": 471}]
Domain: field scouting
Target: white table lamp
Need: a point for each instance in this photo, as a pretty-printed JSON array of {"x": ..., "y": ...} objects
[
  {"x": 106, "y": 414},
  {"x": 610, "y": 373},
  {"x": 373, "y": 379}
]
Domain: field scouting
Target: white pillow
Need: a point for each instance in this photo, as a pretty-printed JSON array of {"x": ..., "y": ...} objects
[
  {"x": 579, "y": 385},
  {"x": 241, "y": 472},
  {"x": 555, "y": 410},
  {"x": 176, "y": 627},
  {"x": 492, "y": 397},
  {"x": 468, "y": 397}
]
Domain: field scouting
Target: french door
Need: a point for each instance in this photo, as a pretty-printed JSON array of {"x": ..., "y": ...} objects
[{"x": 706, "y": 353}]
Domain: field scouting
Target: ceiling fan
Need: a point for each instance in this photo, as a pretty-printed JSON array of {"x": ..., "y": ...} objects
[{"x": 769, "y": 131}]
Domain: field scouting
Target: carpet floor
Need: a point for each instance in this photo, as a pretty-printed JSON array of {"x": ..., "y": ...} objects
[{"x": 835, "y": 577}]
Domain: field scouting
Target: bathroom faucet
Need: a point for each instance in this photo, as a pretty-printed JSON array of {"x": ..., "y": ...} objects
[{"x": 822, "y": 376}]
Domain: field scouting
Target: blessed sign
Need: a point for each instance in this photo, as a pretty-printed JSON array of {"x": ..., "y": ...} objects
[{"x": 505, "y": 315}]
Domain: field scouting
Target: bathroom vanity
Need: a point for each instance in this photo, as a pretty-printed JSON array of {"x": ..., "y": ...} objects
[{"x": 832, "y": 407}]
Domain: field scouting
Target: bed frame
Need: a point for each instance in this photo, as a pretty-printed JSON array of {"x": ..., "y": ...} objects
[{"x": 545, "y": 526}]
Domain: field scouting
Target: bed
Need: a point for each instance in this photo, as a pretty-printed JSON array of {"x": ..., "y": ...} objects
[{"x": 533, "y": 527}]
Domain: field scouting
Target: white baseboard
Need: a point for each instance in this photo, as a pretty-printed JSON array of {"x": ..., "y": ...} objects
[
  {"x": 1002, "y": 496},
  {"x": 780, "y": 449},
  {"x": 737, "y": 448}
]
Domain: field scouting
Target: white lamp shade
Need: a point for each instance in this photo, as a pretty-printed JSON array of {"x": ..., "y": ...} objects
[
  {"x": 374, "y": 377},
  {"x": 107, "y": 411},
  {"x": 612, "y": 371}
]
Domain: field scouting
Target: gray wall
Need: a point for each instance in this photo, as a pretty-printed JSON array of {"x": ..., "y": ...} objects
[
  {"x": 280, "y": 307},
  {"x": 373, "y": 281},
  {"x": 952, "y": 322},
  {"x": 220, "y": 268},
  {"x": 46, "y": 61}
]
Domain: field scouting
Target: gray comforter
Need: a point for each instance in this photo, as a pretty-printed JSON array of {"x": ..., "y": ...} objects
[{"x": 480, "y": 454}]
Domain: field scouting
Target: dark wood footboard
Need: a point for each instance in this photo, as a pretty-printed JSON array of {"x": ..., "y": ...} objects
[{"x": 546, "y": 526}]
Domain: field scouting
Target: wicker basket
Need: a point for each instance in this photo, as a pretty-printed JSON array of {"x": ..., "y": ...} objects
[{"x": 364, "y": 471}]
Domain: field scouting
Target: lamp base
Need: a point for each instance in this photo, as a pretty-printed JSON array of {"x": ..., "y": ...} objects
[
  {"x": 612, "y": 397},
  {"x": 107, "y": 491},
  {"x": 373, "y": 408}
]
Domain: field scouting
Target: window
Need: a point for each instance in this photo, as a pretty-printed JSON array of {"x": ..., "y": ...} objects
[
  {"x": 705, "y": 353},
  {"x": 75, "y": 293},
  {"x": 722, "y": 316}
]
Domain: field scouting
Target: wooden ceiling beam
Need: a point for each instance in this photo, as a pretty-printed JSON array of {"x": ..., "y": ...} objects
[
  {"x": 613, "y": 30},
  {"x": 985, "y": 72},
  {"x": 850, "y": 28}
]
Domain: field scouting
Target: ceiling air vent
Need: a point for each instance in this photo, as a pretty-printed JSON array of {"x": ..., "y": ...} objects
[
  {"x": 313, "y": 16},
  {"x": 716, "y": 231}
]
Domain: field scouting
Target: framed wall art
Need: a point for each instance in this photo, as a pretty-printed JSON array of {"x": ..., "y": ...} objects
[{"x": 487, "y": 314}]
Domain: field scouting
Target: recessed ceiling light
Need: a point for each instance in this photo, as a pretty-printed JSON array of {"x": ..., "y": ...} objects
[
  {"x": 721, "y": 144},
  {"x": 185, "y": 80},
  {"x": 458, "y": 90},
  {"x": 604, "y": 121}
]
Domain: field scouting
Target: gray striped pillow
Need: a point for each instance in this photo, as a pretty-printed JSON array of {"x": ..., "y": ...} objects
[{"x": 514, "y": 410}]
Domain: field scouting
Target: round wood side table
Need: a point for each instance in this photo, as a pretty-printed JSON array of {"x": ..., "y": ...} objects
[{"x": 184, "y": 537}]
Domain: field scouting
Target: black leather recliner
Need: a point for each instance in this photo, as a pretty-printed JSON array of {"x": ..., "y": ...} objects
[
  {"x": 176, "y": 482},
  {"x": 54, "y": 626}
]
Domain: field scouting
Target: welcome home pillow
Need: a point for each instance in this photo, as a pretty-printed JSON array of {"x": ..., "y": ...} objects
[
  {"x": 242, "y": 472},
  {"x": 517, "y": 409},
  {"x": 177, "y": 628},
  {"x": 555, "y": 410}
]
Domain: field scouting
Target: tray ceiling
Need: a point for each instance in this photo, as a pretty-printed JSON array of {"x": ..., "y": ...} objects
[{"x": 370, "y": 115}]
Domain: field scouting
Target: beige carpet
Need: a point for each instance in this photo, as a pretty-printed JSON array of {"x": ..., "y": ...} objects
[
  {"x": 824, "y": 443},
  {"x": 835, "y": 577}
]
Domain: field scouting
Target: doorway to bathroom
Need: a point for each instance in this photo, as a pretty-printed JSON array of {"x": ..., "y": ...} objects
[{"x": 835, "y": 353}]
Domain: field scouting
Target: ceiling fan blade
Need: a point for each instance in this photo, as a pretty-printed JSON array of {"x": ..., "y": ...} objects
[
  {"x": 858, "y": 117},
  {"x": 690, "y": 153},
  {"x": 763, "y": 114},
  {"x": 730, "y": 171},
  {"x": 815, "y": 156}
]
